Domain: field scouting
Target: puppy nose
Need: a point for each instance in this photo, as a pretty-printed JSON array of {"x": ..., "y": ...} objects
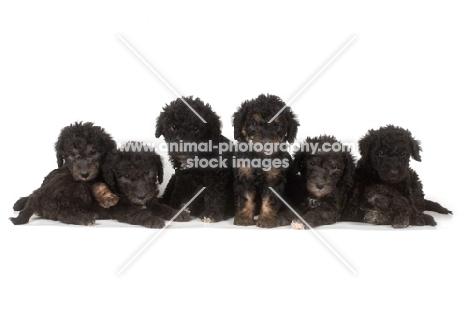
[
  {"x": 394, "y": 172},
  {"x": 319, "y": 185},
  {"x": 141, "y": 196},
  {"x": 84, "y": 175}
]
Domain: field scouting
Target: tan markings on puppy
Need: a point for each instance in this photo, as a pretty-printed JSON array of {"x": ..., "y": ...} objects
[
  {"x": 244, "y": 132},
  {"x": 89, "y": 149},
  {"x": 297, "y": 225},
  {"x": 245, "y": 172},
  {"x": 268, "y": 214},
  {"x": 104, "y": 196},
  {"x": 257, "y": 117},
  {"x": 245, "y": 216},
  {"x": 272, "y": 174}
]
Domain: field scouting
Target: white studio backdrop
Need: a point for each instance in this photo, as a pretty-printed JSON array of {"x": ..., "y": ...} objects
[{"x": 64, "y": 62}]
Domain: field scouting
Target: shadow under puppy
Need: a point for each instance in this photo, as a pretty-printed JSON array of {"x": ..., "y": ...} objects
[
  {"x": 322, "y": 183},
  {"x": 134, "y": 177},
  {"x": 177, "y": 123},
  {"x": 386, "y": 188},
  {"x": 66, "y": 194},
  {"x": 263, "y": 169}
]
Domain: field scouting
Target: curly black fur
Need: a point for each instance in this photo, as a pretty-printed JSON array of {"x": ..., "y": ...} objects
[
  {"x": 322, "y": 183},
  {"x": 251, "y": 185},
  {"x": 134, "y": 177},
  {"x": 177, "y": 122},
  {"x": 66, "y": 193},
  {"x": 386, "y": 188}
]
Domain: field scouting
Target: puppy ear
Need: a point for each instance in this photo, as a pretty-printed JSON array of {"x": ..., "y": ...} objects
[
  {"x": 238, "y": 120},
  {"x": 160, "y": 169},
  {"x": 415, "y": 148},
  {"x": 365, "y": 144},
  {"x": 292, "y": 125},
  {"x": 298, "y": 163},
  {"x": 159, "y": 126},
  {"x": 59, "y": 153},
  {"x": 348, "y": 171},
  {"x": 108, "y": 171},
  {"x": 109, "y": 143}
]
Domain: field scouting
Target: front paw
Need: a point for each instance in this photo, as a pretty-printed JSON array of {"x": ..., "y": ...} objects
[
  {"x": 267, "y": 222},
  {"x": 153, "y": 222},
  {"x": 242, "y": 220},
  {"x": 298, "y": 225},
  {"x": 211, "y": 217},
  {"x": 86, "y": 219},
  {"x": 183, "y": 217},
  {"x": 401, "y": 221},
  {"x": 376, "y": 218},
  {"x": 108, "y": 200}
]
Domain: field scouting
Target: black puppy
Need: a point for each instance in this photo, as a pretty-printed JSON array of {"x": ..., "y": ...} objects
[
  {"x": 178, "y": 123},
  {"x": 134, "y": 177},
  {"x": 387, "y": 189},
  {"x": 262, "y": 169},
  {"x": 322, "y": 183},
  {"x": 66, "y": 193}
]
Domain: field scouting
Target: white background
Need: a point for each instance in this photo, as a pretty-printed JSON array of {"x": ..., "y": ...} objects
[{"x": 61, "y": 63}]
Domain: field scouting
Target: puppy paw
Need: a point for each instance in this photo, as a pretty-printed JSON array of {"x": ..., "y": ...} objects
[
  {"x": 240, "y": 220},
  {"x": 186, "y": 210},
  {"x": 401, "y": 221},
  {"x": 211, "y": 217},
  {"x": 298, "y": 225},
  {"x": 20, "y": 204},
  {"x": 104, "y": 196},
  {"x": 109, "y": 200},
  {"x": 376, "y": 218},
  {"x": 267, "y": 222},
  {"x": 19, "y": 220},
  {"x": 183, "y": 217},
  {"x": 154, "y": 222}
]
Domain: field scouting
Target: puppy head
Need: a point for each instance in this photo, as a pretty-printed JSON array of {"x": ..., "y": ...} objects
[
  {"x": 178, "y": 122},
  {"x": 134, "y": 175},
  {"x": 83, "y": 147},
  {"x": 388, "y": 151},
  {"x": 251, "y": 121},
  {"x": 326, "y": 169}
]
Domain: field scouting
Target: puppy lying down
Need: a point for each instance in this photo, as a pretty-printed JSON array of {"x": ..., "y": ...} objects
[
  {"x": 322, "y": 183},
  {"x": 66, "y": 194},
  {"x": 134, "y": 177},
  {"x": 387, "y": 190}
]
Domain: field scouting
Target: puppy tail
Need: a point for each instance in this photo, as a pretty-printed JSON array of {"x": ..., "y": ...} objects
[
  {"x": 23, "y": 216},
  {"x": 434, "y": 206},
  {"x": 20, "y": 203}
]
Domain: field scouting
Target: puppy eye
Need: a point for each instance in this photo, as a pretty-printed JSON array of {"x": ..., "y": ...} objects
[
  {"x": 254, "y": 124},
  {"x": 195, "y": 128},
  {"x": 93, "y": 152},
  {"x": 381, "y": 153},
  {"x": 126, "y": 176},
  {"x": 402, "y": 154},
  {"x": 174, "y": 128},
  {"x": 333, "y": 167},
  {"x": 312, "y": 163},
  {"x": 148, "y": 172}
]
